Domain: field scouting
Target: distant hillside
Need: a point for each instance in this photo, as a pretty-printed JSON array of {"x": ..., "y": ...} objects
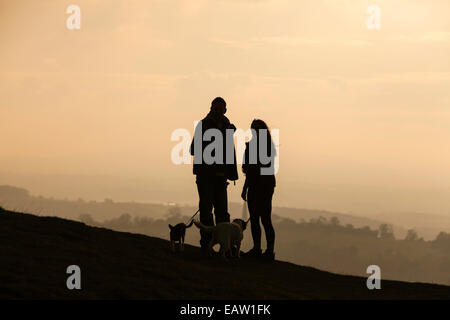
[
  {"x": 299, "y": 214},
  {"x": 19, "y": 199},
  {"x": 35, "y": 252},
  {"x": 308, "y": 214}
]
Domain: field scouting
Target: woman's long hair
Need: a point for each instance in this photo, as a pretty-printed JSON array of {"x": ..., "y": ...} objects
[{"x": 258, "y": 124}]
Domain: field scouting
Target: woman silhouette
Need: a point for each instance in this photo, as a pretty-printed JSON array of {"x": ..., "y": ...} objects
[{"x": 258, "y": 167}]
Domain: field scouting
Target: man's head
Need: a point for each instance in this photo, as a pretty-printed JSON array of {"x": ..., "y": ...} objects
[{"x": 218, "y": 105}]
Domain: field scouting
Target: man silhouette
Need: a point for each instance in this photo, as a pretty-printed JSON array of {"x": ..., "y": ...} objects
[{"x": 211, "y": 168}]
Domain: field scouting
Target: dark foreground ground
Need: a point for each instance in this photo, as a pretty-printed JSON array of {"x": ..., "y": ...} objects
[{"x": 35, "y": 252}]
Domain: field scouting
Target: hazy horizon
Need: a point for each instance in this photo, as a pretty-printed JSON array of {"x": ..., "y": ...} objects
[
  {"x": 363, "y": 114},
  {"x": 331, "y": 198}
]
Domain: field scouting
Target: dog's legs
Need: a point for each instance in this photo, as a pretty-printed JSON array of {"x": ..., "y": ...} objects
[
  {"x": 225, "y": 248},
  {"x": 238, "y": 247},
  {"x": 223, "y": 251},
  {"x": 172, "y": 245},
  {"x": 182, "y": 243},
  {"x": 233, "y": 254},
  {"x": 210, "y": 246}
]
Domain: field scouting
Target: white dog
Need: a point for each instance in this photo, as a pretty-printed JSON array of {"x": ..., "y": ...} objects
[{"x": 226, "y": 234}]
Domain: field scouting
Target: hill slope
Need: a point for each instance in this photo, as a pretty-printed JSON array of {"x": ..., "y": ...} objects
[{"x": 35, "y": 252}]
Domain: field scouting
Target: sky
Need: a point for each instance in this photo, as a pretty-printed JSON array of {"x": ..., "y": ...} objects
[{"x": 362, "y": 114}]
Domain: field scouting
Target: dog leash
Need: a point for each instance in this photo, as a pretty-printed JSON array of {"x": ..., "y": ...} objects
[
  {"x": 194, "y": 215},
  {"x": 199, "y": 211}
]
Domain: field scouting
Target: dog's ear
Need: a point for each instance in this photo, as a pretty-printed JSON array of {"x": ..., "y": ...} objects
[{"x": 170, "y": 226}]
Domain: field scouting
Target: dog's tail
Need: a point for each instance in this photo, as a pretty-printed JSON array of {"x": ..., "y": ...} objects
[
  {"x": 201, "y": 226},
  {"x": 190, "y": 224}
]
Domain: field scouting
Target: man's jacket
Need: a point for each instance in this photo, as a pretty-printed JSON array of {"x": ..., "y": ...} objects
[{"x": 221, "y": 123}]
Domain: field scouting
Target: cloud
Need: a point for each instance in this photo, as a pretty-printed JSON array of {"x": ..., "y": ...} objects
[
  {"x": 435, "y": 36},
  {"x": 303, "y": 41},
  {"x": 290, "y": 41},
  {"x": 191, "y": 7}
]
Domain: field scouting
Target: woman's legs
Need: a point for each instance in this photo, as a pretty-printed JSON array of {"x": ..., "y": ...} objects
[
  {"x": 256, "y": 232},
  {"x": 252, "y": 202},
  {"x": 270, "y": 232},
  {"x": 266, "y": 218}
]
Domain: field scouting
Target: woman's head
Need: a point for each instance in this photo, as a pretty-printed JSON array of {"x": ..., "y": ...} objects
[
  {"x": 258, "y": 124},
  {"x": 260, "y": 130}
]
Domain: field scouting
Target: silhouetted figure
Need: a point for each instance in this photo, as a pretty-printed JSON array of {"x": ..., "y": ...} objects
[
  {"x": 212, "y": 176},
  {"x": 259, "y": 186}
]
